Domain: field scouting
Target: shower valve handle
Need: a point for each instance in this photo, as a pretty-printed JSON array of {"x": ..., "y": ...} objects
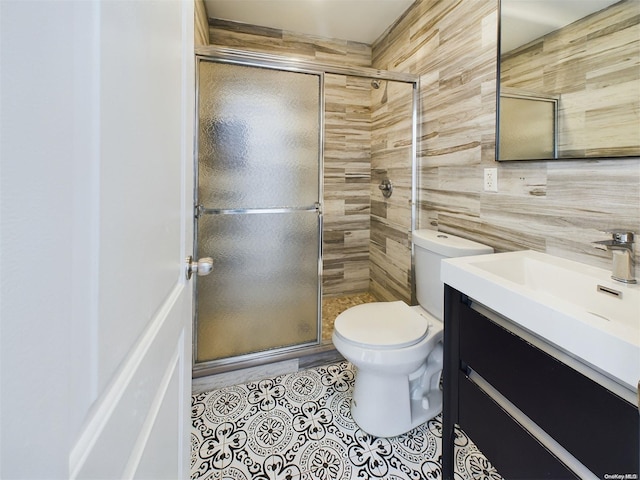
[
  {"x": 202, "y": 267},
  {"x": 386, "y": 188}
]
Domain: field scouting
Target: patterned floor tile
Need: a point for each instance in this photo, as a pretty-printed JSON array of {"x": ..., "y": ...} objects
[{"x": 298, "y": 426}]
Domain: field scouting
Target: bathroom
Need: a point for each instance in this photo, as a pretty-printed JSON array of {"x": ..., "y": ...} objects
[
  {"x": 536, "y": 206},
  {"x": 539, "y": 205},
  {"x": 104, "y": 408}
]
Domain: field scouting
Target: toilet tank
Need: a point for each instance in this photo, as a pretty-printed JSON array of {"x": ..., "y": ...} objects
[{"x": 430, "y": 247}]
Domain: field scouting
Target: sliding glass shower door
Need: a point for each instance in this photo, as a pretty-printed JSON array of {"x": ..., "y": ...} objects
[{"x": 257, "y": 210}]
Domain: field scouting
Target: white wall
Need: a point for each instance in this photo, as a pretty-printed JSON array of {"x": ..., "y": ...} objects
[{"x": 40, "y": 220}]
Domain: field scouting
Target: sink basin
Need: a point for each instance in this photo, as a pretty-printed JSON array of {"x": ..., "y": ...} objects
[{"x": 575, "y": 307}]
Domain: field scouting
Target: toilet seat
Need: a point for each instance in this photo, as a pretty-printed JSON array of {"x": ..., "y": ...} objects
[{"x": 382, "y": 325}]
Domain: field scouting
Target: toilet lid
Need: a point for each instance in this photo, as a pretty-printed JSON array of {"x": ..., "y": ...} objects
[{"x": 382, "y": 324}]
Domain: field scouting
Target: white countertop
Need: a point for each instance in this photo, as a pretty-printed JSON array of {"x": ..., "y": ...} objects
[{"x": 557, "y": 301}]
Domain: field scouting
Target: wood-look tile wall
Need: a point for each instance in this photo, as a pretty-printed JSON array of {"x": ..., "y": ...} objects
[
  {"x": 556, "y": 206},
  {"x": 347, "y": 175},
  {"x": 391, "y": 158},
  {"x": 593, "y": 66},
  {"x": 289, "y": 44}
]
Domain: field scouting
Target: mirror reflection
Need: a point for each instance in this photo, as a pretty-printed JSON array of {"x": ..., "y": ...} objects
[{"x": 569, "y": 79}]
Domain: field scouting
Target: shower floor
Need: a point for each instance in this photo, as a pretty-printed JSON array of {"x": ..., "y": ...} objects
[{"x": 334, "y": 306}]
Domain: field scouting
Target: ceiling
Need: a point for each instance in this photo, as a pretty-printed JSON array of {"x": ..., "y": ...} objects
[
  {"x": 365, "y": 20},
  {"x": 356, "y": 20}
]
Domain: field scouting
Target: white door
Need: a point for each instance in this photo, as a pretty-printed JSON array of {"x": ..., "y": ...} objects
[{"x": 96, "y": 208}]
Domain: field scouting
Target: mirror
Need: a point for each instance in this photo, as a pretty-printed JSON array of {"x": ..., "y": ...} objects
[{"x": 569, "y": 75}]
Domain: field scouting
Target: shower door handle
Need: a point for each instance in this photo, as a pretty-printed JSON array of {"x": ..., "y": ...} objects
[{"x": 202, "y": 267}]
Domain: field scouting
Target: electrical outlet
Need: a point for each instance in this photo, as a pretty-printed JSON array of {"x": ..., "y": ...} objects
[{"x": 490, "y": 179}]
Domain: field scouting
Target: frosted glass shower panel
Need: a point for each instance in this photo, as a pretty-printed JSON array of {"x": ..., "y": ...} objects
[
  {"x": 258, "y": 140},
  {"x": 527, "y": 128},
  {"x": 263, "y": 292}
]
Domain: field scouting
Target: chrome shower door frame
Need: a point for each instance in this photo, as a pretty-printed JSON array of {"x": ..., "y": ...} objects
[
  {"x": 261, "y": 60},
  {"x": 231, "y": 363}
]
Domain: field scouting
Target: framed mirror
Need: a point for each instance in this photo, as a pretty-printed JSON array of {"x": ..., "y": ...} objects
[{"x": 569, "y": 79}]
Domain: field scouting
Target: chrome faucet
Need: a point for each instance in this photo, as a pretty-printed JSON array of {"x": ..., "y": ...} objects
[{"x": 621, "y": 246}]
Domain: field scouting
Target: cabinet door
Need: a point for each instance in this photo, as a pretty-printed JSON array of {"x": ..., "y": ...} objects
[
  {"x": 507, "y": 445},
  {"x": 596, "y": 426}
]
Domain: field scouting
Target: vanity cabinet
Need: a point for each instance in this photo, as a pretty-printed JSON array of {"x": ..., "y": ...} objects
[{"x": 531, "y": 415}]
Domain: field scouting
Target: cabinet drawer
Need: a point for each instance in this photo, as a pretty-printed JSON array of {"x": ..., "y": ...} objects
[
  {"x": 503, "y": 441},
  {"x": 597, "y": 427}
]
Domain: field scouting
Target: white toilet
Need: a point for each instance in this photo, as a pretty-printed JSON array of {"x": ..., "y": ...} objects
[{"x": 397, "y": 349}]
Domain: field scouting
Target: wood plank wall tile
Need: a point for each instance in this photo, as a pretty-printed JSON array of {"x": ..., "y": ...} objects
[
  {"x": 269, "y": 40},
  {"x": 557, "y": 207},
  {"x": 347, "y": 167},
  {"x": 390, "y": 246}
]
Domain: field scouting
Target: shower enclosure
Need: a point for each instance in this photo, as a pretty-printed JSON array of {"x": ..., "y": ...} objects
[{"x": 269, "y": 142}]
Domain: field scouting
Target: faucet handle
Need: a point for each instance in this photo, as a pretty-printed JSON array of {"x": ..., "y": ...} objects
[{"x": 621, "y": 235}]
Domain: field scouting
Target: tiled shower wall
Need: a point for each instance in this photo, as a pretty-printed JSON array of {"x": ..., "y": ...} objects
[
  {"x": 347, "y": 174},
  {"x": 557, "y": 206},
  {"x": 268, "y": 40},
  {"x": 367, "y": 137},
  {"x": 391, "y": 158}
]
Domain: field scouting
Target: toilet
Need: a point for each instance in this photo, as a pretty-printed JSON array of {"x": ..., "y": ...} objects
[{"x": 397, "y": 349}]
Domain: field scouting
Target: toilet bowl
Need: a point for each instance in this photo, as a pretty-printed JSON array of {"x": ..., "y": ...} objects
[
  {"x": 397, "y": 349},
  {"x": 398, "y": 365}
]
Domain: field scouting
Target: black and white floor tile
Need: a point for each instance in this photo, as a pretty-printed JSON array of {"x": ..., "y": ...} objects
[{"x": 298, "y": 426}]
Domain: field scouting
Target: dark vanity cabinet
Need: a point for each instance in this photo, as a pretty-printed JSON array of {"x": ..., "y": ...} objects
[{"x": 531, "y": 415}]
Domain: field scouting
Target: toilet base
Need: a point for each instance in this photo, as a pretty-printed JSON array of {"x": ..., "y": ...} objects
[
  {"x": 388, "y": 406},
  {"x": 395, "y": 389}
]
